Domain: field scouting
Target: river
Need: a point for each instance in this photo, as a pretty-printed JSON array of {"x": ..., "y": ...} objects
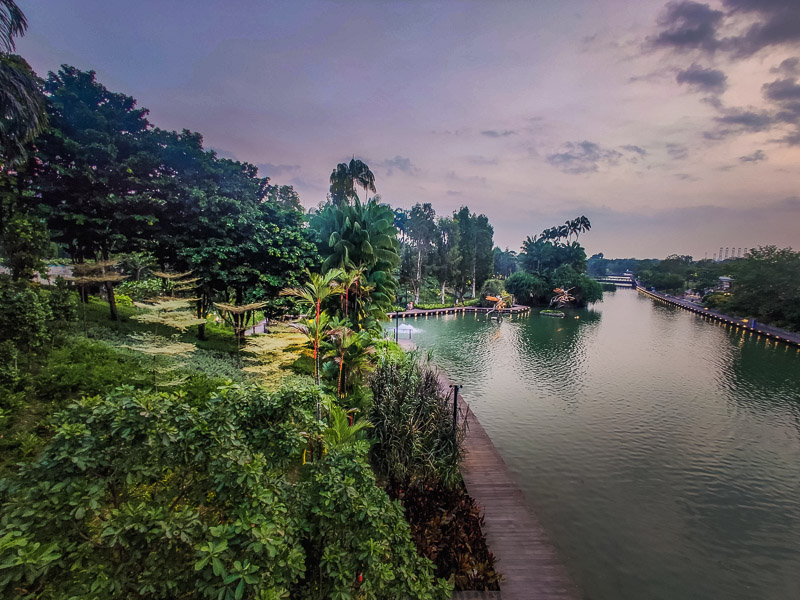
[{"x": 660, "y": 451}]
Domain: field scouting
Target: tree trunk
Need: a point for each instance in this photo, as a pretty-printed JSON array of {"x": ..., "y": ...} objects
[
  {"x": 473, "y": 279},
  {"x": 238, "y": 318},
  {"x": 443, "y": 292},
  {"x": 419, "y": 276},
  {"x": 112, "y": 301}
]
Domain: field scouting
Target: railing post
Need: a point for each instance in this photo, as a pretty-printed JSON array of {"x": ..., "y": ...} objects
[{"x": 455, "y": 406}]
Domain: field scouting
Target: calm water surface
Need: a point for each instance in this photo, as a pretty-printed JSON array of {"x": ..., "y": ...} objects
[{"x": 661, "y": 452}]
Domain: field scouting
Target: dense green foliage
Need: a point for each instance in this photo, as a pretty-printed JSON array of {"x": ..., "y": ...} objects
[
  {"x": 452, "y": 253},
  {"x": 548, "y": 263},
  {"x": 767, "y": 286},
  {"x": 142, "y": 494}
]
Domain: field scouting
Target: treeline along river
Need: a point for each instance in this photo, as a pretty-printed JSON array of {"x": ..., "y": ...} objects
[{"x": 661, "y": 451}]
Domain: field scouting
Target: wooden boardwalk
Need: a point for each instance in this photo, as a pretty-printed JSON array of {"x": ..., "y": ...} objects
[
  {"x": 517, "y": 309},
  {"x": 525, "y": 556}
]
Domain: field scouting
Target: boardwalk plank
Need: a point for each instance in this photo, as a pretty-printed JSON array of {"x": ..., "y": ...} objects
[{"x": 525, "y": 556}]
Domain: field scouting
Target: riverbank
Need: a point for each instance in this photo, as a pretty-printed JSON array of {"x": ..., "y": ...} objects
[
  {"x": 525, "y": 556},
  {"x": 760, "y": 329}
]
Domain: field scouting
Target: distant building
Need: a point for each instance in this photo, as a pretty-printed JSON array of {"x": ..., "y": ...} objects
[{"x": 725, "y": 283}]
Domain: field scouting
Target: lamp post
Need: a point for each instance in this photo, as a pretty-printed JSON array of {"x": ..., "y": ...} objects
[
  {"x": 455, "y": 406},
  {"x": 397, "y": 321}
]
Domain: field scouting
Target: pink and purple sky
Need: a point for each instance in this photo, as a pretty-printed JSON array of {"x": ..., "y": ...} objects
[{"x": 674, "y": 126}]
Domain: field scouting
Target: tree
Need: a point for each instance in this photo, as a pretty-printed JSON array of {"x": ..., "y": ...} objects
[
  {"x": 361, "y": 235},
  {"x": 448, "y": 257},
  {"x": 476, "y": 245},
  {"x": 505, "y": 262},
  {"x": 313, "y": 294},
  {"x": 421, "y": 228},
  {"x": 527, "y": 288},
  {"x": 767, "y": 286},
  {"x": 22, "y": 107},
  {"x": 94, "y": 175},
  {"x": 345, "y": 177}
]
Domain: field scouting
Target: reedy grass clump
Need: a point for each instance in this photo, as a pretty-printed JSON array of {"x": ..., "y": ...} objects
[{"x": 412, "y": 416}]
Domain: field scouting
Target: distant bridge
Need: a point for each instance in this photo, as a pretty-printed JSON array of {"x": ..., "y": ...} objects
[{"x": 618, "y": 280}]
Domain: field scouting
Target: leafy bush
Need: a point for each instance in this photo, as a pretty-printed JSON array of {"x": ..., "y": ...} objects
[
  {"x": 145, "y": 289},
  {"x": 24, "y": 313},
  {"x": 527, "y": 288},
  {"x": 123, "y": 299},
  {"x": 63, "y": 302},
  {"x": 720, "y": 301},
  {"x": 493, "y": 287}
]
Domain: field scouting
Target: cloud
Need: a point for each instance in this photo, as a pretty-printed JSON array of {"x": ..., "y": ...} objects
[
  {"x": 481, "y": 161},
  {"x": 677, "y": 151},
  {"x": 782, "y": 90},
  {"x": 398, "y": 163},
  {"x": 635, "y": 149},
  {"x": 453, "y": 193},
  {"x": 755, "y": 157},
  {"x": 690, "y": 26},
  {"x": 778, "y": 23},
  {"x": 737, "y": 121},
  {"x": 785, "y": 94},
  {"x": 790, "y": 66},
  {"x": 687, "y": 26},
  {"x": 583, "y": 157},
  {"x": 496, "y": 134},
  {"x": 269, "y": 170},
  {"x": 711, "y": 81},
  {"x": 685, "y": 177}
]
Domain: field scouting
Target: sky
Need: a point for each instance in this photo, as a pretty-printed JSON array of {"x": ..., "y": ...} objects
[{"x": 673, "y": 126}]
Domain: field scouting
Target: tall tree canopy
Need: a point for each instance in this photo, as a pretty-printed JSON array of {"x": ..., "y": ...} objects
[{"x": 344, "y": 179}]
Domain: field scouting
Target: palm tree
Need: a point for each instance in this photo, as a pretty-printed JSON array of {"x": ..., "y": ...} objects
[
  {"x": 361, "y": 234},
  {"x": 318, "y": 289},
  {"x": 583, "y": 224},
  {"x": 339, "y": 432},
  {"x": 23, "y": 115},
  {"x": 363, "y": 176},
  {"x": 344, "y": 179}
]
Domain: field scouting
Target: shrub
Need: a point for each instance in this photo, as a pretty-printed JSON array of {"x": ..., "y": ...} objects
[
  {"x": 446, "y": 528},
  {"x": 123, "y": 299},
  {"x": 150, "y": 495},
  {"x": 144, "y": 289},
  {"x": 493, "y": 287},
  {"x": 62, "y": 300},
  {"x": 527, "y": 288},
  {"x": 413, "y": 425},
  {"x": 24, "y": 314}
]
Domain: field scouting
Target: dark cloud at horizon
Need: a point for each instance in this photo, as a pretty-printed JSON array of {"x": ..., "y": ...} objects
[
  {"x": 270, "y": 170},
  {"x": 578, "y": 158},
  {"x": 496, "y": 134},
  {"x": 398, "y": 163}
]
